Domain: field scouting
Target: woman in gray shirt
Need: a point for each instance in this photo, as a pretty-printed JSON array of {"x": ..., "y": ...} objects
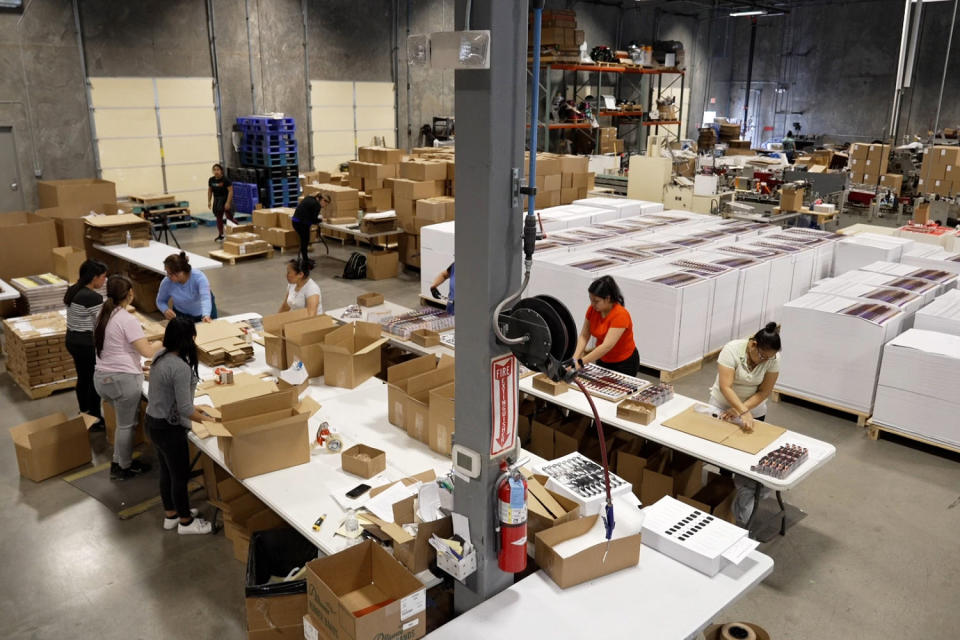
[{"x": 173, "y": 383}]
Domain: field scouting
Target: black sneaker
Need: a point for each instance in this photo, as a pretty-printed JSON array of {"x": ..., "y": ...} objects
[
  {"x": 119, "y": 473},
  {"x": 218, "y": 239},
  {"x": 140, "y": 467},
  {"x": 98, "y": 426}
]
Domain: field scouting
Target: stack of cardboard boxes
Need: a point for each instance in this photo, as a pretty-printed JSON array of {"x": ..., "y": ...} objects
[
  {"x": 940, "y": 171},
  {"x": 559, "y": 36},
  {"x": 275, "y": 227},
  {"x": 868, "y": 162},
  {"x": 37, "y": 356},
  {"x": 561, "y": 179},
  {"x": 420, "y": 400},
  {"x": 607, "y": 141},
  {"x": 243, "y": 514}
]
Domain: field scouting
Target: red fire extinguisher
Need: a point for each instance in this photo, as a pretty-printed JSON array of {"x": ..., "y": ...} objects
[{"x": 512, "y": 520}]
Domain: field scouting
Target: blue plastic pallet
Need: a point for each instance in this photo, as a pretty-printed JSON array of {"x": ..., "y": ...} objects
[
  {"x": 270, "y": 137},
  {"x": 271, "y": 124},
  {"x": 268, "y": 160},
  {"x": 286, "y": 147}
]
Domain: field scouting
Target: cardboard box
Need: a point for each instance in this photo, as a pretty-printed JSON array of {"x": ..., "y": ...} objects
[
  {"x": 594, "y": 562},
  {"x": 859, "y": 151},
  {"x": 48, "y": 446},
  {"x": 657, "y": 481},
  {"x": 399, "y": 375},
  {"x": 567, "y": 196},
  {"x": 382, "y": 265},
  {"x": 574, "y": 164},
  {"x": 381, "y": 155},
  {"x": 405, "y": 209},
  {"x": 404, "y": 189},
  {"x": 409, "y": 248},
  {"x": 570, "y": 435},
  {"x": 26, "y": 244},
  {"x": 417, "y": 554},
  {"x": 542, "y": 429},
  {"x": 378, "y": 200},
  {"x": 892, "y": 181},
  {"x": 543, "y": 383},
  {"x": 366, "y": 580},
  {"x": 351, "y": 354},
  {"x": 715, "y": 497},
  {"x": 303, "y": 340},
  {"x": 70, "y": 228},
  {"x": 422, "y": 170},
  {"x": 264, "y": 218},
  {"x": 262, "y": 434},
  {"x": 67, "y": 261},
  {"x": 442, "y": 418},
  {"x": 436, "y": 209},
  {"x": 370, "y": 299},
  {"x": 545, "y": 508},
  {"x": 86, "y": 193},
  {"x": 363, "y": 461},
  {"x": 791, "y": 199},
  {"x": 268, "y": 617},
  {"x": 416, "y": 409},
  {"x": 273, "y": 336},
  {"x": 637, "y": 411}
]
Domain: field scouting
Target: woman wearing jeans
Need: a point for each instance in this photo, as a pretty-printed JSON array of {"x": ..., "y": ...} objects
[
  {"x": 173, "y": 383},
  {"x": 118, "y": 377},
  {"x": 83, "y": 306}
]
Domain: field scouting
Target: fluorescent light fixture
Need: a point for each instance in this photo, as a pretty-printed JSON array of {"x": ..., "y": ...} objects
[{"x": 751, "y": 12}]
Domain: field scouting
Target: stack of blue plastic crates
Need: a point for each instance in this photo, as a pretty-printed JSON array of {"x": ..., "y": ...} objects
[
  {"x": 270, "y": 145},
  {"x": 244, "y": 197}
]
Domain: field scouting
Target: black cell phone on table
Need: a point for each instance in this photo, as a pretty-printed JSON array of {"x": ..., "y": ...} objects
[{"x": 358, "y": 491}]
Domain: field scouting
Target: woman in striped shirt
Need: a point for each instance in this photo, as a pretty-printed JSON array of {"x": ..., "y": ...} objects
[{"x": 83, "y": 305}]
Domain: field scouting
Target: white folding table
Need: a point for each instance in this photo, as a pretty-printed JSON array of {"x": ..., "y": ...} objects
[
  {"x": 395, "y": 309},
  {"x": 151, "y": 257}
]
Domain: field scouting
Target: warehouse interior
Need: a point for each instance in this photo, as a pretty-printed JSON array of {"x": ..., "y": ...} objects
[{"x": 660, "y": 150}]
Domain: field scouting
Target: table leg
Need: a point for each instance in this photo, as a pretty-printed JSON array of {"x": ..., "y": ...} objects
[
  {"x": 756, "y": 505},
  {"x": 783, "y": 514}
]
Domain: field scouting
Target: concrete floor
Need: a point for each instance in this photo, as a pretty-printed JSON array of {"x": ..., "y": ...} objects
[{"x": 876, "y": 556}]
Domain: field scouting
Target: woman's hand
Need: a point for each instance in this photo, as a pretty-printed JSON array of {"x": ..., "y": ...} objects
[
  {"x": 746, "y": 422},
  {"x": 169, "y": 314},
  {"x": 730, "y": 415},
  {"x": 207, "y": 319}
]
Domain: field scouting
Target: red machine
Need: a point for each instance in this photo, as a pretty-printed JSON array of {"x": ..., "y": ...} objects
[{"x": 512, "y": 520}]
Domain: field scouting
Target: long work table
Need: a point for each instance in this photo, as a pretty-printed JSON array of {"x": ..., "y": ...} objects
[
  {"x": 659, "y": 598},
  {"x": 339, "y": 314},
  {"x": 151, "y": 257}
]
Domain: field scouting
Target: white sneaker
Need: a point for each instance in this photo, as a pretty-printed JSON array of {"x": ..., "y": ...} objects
[
  {"x": 198, "y": 526},
  {"x": 171, "y": 523}
]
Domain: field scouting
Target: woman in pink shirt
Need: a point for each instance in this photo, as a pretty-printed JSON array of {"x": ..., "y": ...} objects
[{"x": 118, "y": 376}]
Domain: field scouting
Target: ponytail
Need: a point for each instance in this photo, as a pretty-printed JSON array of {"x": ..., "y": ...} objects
[
  {"x": 768, "y": 337},
  {"x": 606, "y": 287},
  {"x": 118, "y": 288},
  {"x": 177, "y": 262},
  {"x": 89, "y": 270}
]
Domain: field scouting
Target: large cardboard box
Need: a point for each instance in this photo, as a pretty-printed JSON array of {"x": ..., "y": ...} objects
[
  {"x": 415, "y": 552},
  {"x": 422, "y": 170},
  {"x": 363, "y": 593},
  {"x": 280, "y": 237},
  {"x": 791, "y": 199},
  {"x": 88, "y": 193},
  {"x": 26, "y": 244},
  {"x": 404, "y": 189},
  {"x": 399, "y": 375},
  {"x": 273, "y": 343},
  {"x": 574, "y": 164},
  {"x": 303, "y": 341},
  {"x": 67, "y": 261},
  {"x": 547, "y": 509},
  {"x": 265, "y": 218},
  {"x": 542, "y": 429},
  {"x": 442, "y": 418},
  {"x": 351, "y": 354},
  {"x": 859, "y": 151},
  {"x": 382, "y": 265},
  {"x": 436, "y": 209},
  {"x": 381, "y": 155},
  {"x": 598, "y": 560},
  {"x": 70, "y": 227},
  {"x": 417, "y": 402},
  {"x": 892, "y": 181},
  {"x": 262, "y": 434},
  {"x": 409, "y": 249},
  {"x": 51, "y": 445}
]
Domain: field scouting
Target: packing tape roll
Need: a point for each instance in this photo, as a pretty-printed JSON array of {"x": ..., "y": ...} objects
[{"x": 737, "y": 631}]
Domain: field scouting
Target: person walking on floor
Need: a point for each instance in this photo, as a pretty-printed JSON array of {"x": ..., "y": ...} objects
[
  {"x": 220, "y": 198},
  {"x": 170, "y": 410},
  {"x": 747, "y": 371},
  {"x": 185, "y": 292},
  {"x": 609, "y": 323},
  {"x": 302, "y": 291},
  {"x": 118, "y": 378},
  {"x": 305, "y": 216},
  {"x": 83, "y": 306}
]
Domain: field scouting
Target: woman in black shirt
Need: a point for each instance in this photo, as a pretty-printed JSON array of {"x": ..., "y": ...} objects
[
  {"x": 220, "y": 198},
  {"x": 83, "y": 305}
]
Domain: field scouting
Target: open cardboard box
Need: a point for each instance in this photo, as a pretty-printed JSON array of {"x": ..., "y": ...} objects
[
  {"x": 363, "y": 593},
  {"x": 542, "y": 430},
  {"x": 304, "y": 341},
  {"x": 417, "y": 554},
  {"x": 48, "y": 446},
  {"x": 542, "y": 383},
  {"x": 417, "y": 402},
  {"x": 399, "y": 375},
  {"x": 442, "y": 418},
  {"x": 715, "y": 497},
  {"x": 364, "y": 461},
  {"x": 262, "y": 434},
  {"x": 637, "y": 411},
  {"x": 370, "y": 299},
  {"x": 589, "y": 563},
  {"x": 546, "y": 509},
  {"x": 425, "y": 337},
  {"x": 351, "y": 354},
  {"x": 26, "y": 244},
  {"x": 88, "y": 193},
  {"x": 273, "y": 335},
  {"x": 67, "y": 261}
]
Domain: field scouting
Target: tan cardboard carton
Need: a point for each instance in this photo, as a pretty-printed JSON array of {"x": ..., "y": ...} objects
[
  {"x": 50, "y": 445},
  {"x": 382, "y": 265},
  {"x": 422, "y": 170},
  {"x": 26, "y": 244},
  {"x": 303, "y": 341},
  {"x": 67, "y": 261},
  {"x": 417, "y": 402},
  {"x": 351, "y": 354},
  {"x": 88, "y": 193},
  {"x": 442, "y": 418},
  {"x": 397, "y": 378},
  {"x": 599, "y": 560},
  {"x": 364, "y": 461},
  {"x": 273, "y": 336}
]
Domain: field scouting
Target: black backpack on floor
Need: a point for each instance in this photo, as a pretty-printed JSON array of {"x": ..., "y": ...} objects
[{"x": 356, "y": 267}]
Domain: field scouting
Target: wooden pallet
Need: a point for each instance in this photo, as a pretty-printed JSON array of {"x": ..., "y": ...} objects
[
  {"x": 874, "y": 429},
  {"x": 676, "y": 374},
  {"x": 153, "y": 199},
  {"x": 861, "y": 417},
  {"x": 45, "y": 390},
  {"x": 229, "y": 258}
]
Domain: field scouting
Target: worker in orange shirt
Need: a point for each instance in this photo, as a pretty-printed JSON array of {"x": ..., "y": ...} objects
[{"x": 609, "y": 323}]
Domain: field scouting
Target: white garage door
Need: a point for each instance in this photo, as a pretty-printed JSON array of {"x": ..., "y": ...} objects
[{"x": 345, "y": 115}]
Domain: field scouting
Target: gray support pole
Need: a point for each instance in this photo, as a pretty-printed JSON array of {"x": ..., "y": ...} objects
[
  {"x": 490, "y": 107},
  {"x": 946, "y": 63}
]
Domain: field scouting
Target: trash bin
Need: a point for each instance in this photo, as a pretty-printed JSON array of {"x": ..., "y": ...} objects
[{"x": 277, "y": 606}]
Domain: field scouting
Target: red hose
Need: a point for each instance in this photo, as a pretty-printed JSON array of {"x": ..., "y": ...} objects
[{"x": 603, "y": 442}]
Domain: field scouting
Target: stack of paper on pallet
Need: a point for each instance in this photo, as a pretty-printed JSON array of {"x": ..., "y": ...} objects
[
  {"x": 223, "y": 343},
  {"x": 43, "y": 292},
  {"x": 933, "y": 257},
  {"x": 824, "y": 242},
  {"x": 855, "y": 252},
  {"x": 904, "y": 300},
  {"x": 624, "y": 207},
  {"x": 924, "y": 288},
  {"x": 917, "y": 390},
  {"x": 753, "y": 278},
  {"x": 943, "y": 314},
  {"x": 573, "y": 215},
  {"x": 780, "y": 280},
  {"x": 833, "y": 350},
  {"x": 803, "y": 258},
  {"x": 943, "y": 279},
  {"x": 724, "y": 281}
]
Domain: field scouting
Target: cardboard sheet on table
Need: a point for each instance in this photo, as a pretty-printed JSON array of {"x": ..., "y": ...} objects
[
  {"x": 725, "y": 433},
  {"x": 208, "y": 332},
  {"x": 244, "y": 386}
]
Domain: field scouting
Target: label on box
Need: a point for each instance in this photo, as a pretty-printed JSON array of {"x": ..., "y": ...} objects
[
  {"x": 413, "y": 604},
  {"x": 411, "y": 624},
  {"x": 243, "y": 249},
  {"x": 309, "y": 632}
]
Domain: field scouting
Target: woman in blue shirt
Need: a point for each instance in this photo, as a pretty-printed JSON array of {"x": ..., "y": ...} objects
[{"x": 185, "y": 292}]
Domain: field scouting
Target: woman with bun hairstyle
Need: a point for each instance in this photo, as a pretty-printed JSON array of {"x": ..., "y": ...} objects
[
  {"x": 302, "y": 291},
  {"x": 185, "y": 292},
  {"x": 120, "y": 344},
  {"x": 83, "y": 306},
  {"x": 610, "y": 324},
  {"x": 747, "y": 371}
]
